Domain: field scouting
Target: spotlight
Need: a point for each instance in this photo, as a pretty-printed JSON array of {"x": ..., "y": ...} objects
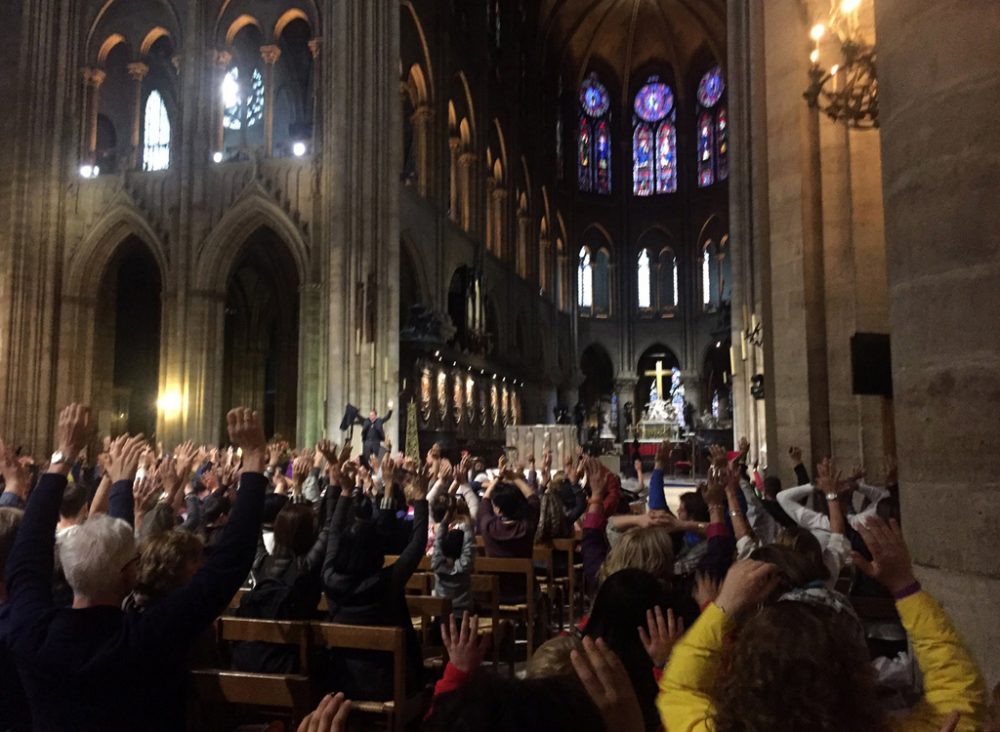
[
  {"x": 298, "y": 149},
  {"x": 817, "y": 31},
  {"x": 849, "y": 6},
  {"x": 89, "y": 171},
  {"x": 217, "y": 157}
]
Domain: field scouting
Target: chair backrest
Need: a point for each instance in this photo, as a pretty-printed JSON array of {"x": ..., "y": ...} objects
[
  {"x": 280, "y": 632},
  {"x": 238, "y": 597},
  {"x": 509, "y": 566},
  {"x": 424, "y": 566},
  {"x": 420, "y": 583},
  {"x": 284, "y": 691}
]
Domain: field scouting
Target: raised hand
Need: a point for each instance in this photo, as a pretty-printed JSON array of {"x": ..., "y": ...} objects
[
  {"x": 795, "y": 453},
  {"x": 328, "y": 450},
  {"x": 890, "y": 563},
  {"x": 597, "y": 478},
  {"x": 719, "y": 457},
  {"x": 168, "y": 476},
  {"x": 660, "y": 634},
  {"x": 73, "y": 431},
  {"x": 329, "y": 716},
  {"x": 706, "y": 589},
  {"x": 247, "y": 432},
  {"x": 16, "y": 476},
  {"x": 662, "y": 459},
  {"x": 827, "y": 479},
  {"x": 417, "y": 485},
  {"x": 124, "y": 454},
  {"x": 345, "y": 453},
  {"x": 466, "y": 648},
  {"x": 145, "y": 493},
  {"x": 747, "y": 583},
  {"x": 274, "y": 452},
  {"x": 607, "y": 683},
  {"x": 744, "y": 445},
  {"x": 183, "y": 459}
]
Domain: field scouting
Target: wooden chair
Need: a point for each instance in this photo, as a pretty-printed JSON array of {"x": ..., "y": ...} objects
[
  {"x": 486, "y": 591},
  {"x": 542, "y": 554},
  {"x": 568, "y": 546},
  {"x": 279, "y": 632},
  {"x": 523, "y": 612},
  {"x": 288, "y": 692},
  {"x": 425, "y": 611},
  {"x": 399, "y": 710}
]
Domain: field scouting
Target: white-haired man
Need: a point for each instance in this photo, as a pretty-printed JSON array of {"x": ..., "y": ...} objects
[{"x": 92, "y": 666}]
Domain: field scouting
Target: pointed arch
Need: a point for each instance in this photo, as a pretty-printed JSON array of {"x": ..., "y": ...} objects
[
  {"x": 152, "y": 37},
  {"x": 410, "y": 11},
  {"x": 222, "y": 247},
  {"x": 241, "y": 22}
]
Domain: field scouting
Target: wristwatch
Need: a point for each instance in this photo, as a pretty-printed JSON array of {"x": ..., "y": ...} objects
[
  {"x": 831, "y": 496},
  {"x": 57, "y": 458}
]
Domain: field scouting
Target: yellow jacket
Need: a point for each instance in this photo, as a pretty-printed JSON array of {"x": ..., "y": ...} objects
[{"x": 951, "y": 679}]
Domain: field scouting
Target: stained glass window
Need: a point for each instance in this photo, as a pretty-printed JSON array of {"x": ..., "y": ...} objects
[
  {"x": 585, "y": 275},
  {"x": 584, "y": 166},
  {"x": 654, "y": 140},
  {"x": 706, "y": 274},
  {"x": 156, "y": 134},
  {"x": 722, "y": 143},
  {"x": 711, "y": 87},
  {"x": 642, "y": 160},
  {"x": 594, "y": 97},
  {"x": 644, "y": 281},
  {"x": 706, "y": 150},
  {"x": 239, "y": 111},
  {"x": 594, "y": 141},
  {"x": 603, "y": 155}
]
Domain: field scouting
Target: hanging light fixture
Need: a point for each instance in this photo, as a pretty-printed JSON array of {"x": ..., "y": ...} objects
[{"x": 847, "y": 91}]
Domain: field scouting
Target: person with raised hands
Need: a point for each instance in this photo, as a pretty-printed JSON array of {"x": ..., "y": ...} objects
[
  {"x": 92, "y": 666},
  {"x": 800, "y": 661}
]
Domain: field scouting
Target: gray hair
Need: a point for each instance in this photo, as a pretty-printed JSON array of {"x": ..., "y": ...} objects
[
  {"x": 94, "y": 554},
  {"x": 10, "y": 518}
]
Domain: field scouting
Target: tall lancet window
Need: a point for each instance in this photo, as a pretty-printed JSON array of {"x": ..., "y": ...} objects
[
  {"x": 585, "y": 280},
  {"x": 713, "y": 130},
  {"x": 594, "y": 138},
  {"x": 644, "y": 277},
  {"x": 654, "y": 140},
  {"x": 156, "y": 134}
]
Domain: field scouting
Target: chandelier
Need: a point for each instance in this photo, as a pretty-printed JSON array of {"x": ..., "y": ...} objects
[{"x": 847, "y": 91}]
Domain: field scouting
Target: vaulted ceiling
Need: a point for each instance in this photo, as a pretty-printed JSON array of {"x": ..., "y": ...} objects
[{"x": 627, "y": 36}]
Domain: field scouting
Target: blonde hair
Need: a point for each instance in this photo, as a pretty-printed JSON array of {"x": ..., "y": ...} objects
[
  {"x": 163, "y": 560},
  {"x": 649, "y": 549},
  {"x": 552, "y": 657}
]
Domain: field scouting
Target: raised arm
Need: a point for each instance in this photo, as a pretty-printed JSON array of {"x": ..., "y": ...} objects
[
  {"x": 657, "y": 499},
  {"x": 801, "y": 474},
  {"x": 790, "y": 501},
  {"x": 28, "y": 573},
  {"x": 409, "y": 558},
  {"x": 182, "y": 614}
]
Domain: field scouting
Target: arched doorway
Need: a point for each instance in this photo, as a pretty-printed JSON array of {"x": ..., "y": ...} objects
[
  {"x": 262, "y": 333},
  {"x": 127, "y": 341},
  {"x": 659, "y": 377},
  {"x": 718, "y": 379}
]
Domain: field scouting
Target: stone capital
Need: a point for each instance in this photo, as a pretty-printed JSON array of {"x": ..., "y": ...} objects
[
  {"x": 270, "y": 54},
  {"x": 423, "y": 113},
  {"x": 468, "y": 159},
  {"x": 93, "y": 77},
  {"x": 315, "y": 46},
  {"x": 626, "y": 382},
  {"x": 137, "y": 70},
  {"x": 455, "y": 144}
]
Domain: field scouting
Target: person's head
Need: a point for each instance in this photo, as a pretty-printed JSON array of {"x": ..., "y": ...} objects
[
  {"x": 794, "y": 666},
  {"x": 167, "y": 561},
  {"x": 508, "y": 501},
  {"x": 650, "y": 549},
  {"x": 693, "y": 507},
  {"x": 361, "y": 552},
  {"x": 216, "y": 509},
  {"x": 159, "y": 519},
  {"x": 373, "y": 414},
  {"x": 552, "y": 658},
  {"x": 451, "y": 545},
  {"x": 295, "y": 529},
  {"x": 99, "y": 559},
  {"x": 799, "y": 560},
  {"x": 10, "y": 519},
  {"x": 273, "y": 503},
  {"x": 888, "y": 509},
  {"x": 73, "y": 509},
  {"x": 772, "y": 487},
  {"x": 618, "y": 612},
  {"x": 490, "y": 703},
  {"x": 442, "y": 507}
]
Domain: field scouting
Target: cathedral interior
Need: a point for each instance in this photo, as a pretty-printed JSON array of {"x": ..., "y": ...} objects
[{"x": 487, "y": 213}]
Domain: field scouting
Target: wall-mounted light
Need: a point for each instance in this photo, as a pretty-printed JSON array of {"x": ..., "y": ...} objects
[
  {"x": 299, "y": 149},
  {"x": 169, "y": 403},
  {"x": 89, "y": 171},
  {"x": 217, "y": 157}
]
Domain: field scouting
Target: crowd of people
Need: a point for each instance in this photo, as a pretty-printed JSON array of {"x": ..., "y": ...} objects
[{"x": 739, "y": 610}]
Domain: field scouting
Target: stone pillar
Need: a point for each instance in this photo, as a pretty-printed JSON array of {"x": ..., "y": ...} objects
[
  {"x": 694, "y": 392},
  {"x": 488, "y": 238},
  {"x": 315, "y": 47},
  {"x": 524, "y": 224},
  {"x": 940, "y": 191},
  {"x": 270, "y": 54},
  {"x": 137, "y": 71},
  {"x": 544, "y": 264},
  {"x": 455, "y": 150},
  {"x": 499, "y": 215},
  {"x": 625, "y": 390},
  {"x": 423, "y": 138},
  {"x": 92, "y": 80},
  {"x": 220, "y": 66},
  {"x": 466, "y": 183},
  {"x": 561, "y": 290}
]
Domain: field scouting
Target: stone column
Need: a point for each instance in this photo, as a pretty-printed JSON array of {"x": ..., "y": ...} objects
[
  {"x": 137, "y": 71},
  {"x": 940, "y": 190},
  {"x": 220, "y": 66},
  {"x": 315, "y": 47},
  {"x": 524, "y": 224},
  {"x": 544, "y": 264},
  {"x": 562, "y": 290},
  {"x": 455, "y": 149},
  {"x": 270, "y": 54},
  {"x": 466, "y": 184},
  {"x": 92, "y": 80},
  {"x": 625, "y": 390},
  {"x": 693, "y": 391},
  {"x": 491, "y": 212},
  {"x": 423, "y": 138},
  {"x": 499, "y": 214}
]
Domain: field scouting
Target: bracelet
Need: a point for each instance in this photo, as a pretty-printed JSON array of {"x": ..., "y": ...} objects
[
  {"x": 910, "y": 589},
  {"x": 735, "y": 512}
]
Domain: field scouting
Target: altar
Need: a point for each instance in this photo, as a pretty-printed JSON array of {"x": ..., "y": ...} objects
[
  {"x": 523, "y": 441},
  {"x": 660, "y": 419}
]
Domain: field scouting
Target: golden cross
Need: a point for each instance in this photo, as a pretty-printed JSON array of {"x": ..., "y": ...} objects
[{"x": 659, "y": 372}]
